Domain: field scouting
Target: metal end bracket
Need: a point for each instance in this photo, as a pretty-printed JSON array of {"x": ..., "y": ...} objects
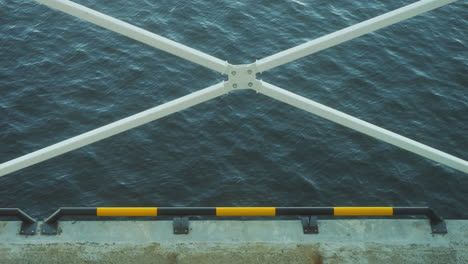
[
  {"x": 50, "y": 225},
  {"x": 28, "y": 225}
]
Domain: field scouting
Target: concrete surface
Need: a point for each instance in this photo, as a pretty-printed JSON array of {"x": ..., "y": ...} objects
[{"x": 339, "y": 241}]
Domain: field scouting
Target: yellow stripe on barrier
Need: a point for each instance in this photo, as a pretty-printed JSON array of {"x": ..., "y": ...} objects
[
  {"x": 369, "y": 211},
  {"x": 127, "y": 211},
  {"x": 245, "y": 211}
]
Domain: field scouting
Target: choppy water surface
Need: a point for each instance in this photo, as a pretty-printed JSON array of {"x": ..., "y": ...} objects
[{"x": 60, "y": 76}]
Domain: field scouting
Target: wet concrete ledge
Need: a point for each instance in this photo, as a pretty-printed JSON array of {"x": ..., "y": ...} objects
[{"x": 339, "y": 241}]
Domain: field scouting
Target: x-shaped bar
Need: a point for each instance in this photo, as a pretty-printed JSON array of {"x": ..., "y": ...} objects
[
  {"x": 113, "y": 128},
  {"x": 349, "y": 33},
  {"x": 137, "y": 33},
  {"x": 223, "y": 88},
  {"x": 362, "y": 126}
]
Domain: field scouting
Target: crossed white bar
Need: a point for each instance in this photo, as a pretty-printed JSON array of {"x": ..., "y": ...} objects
[{"x": 219, "y": 89}]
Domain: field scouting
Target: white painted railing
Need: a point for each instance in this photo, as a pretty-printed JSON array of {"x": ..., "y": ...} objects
[{"x": 240, "y": 77}]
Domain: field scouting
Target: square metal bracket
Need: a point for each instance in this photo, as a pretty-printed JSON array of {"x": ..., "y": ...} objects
[
  {"x": 439, "y": 228},
  {"x": 51, "y": 229},
  {"x": 28, "y": 229},
  {"x": 181, "y": 225},
  {"x": 309, "y": 225},
  {"x": 242, "y": 76}
]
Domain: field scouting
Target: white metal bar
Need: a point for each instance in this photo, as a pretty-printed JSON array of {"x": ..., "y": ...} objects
[
  {"x": 349, "y": 33},
  {"x": 137, "y": 33},
  {"x": 113, "y": 128},
  {"x": 362, "y": 126}
]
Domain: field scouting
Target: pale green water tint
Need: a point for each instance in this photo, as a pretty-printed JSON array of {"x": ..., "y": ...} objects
[{"x": 60, "y": 76}]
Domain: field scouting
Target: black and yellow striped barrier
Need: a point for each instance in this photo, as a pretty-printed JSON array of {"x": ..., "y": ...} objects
[
  {"x": 437, "y": 223},
  {"x": 239, "y": 211}
]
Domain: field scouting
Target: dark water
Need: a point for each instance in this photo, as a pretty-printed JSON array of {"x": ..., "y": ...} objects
[{"x": 60, "y": 76}]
